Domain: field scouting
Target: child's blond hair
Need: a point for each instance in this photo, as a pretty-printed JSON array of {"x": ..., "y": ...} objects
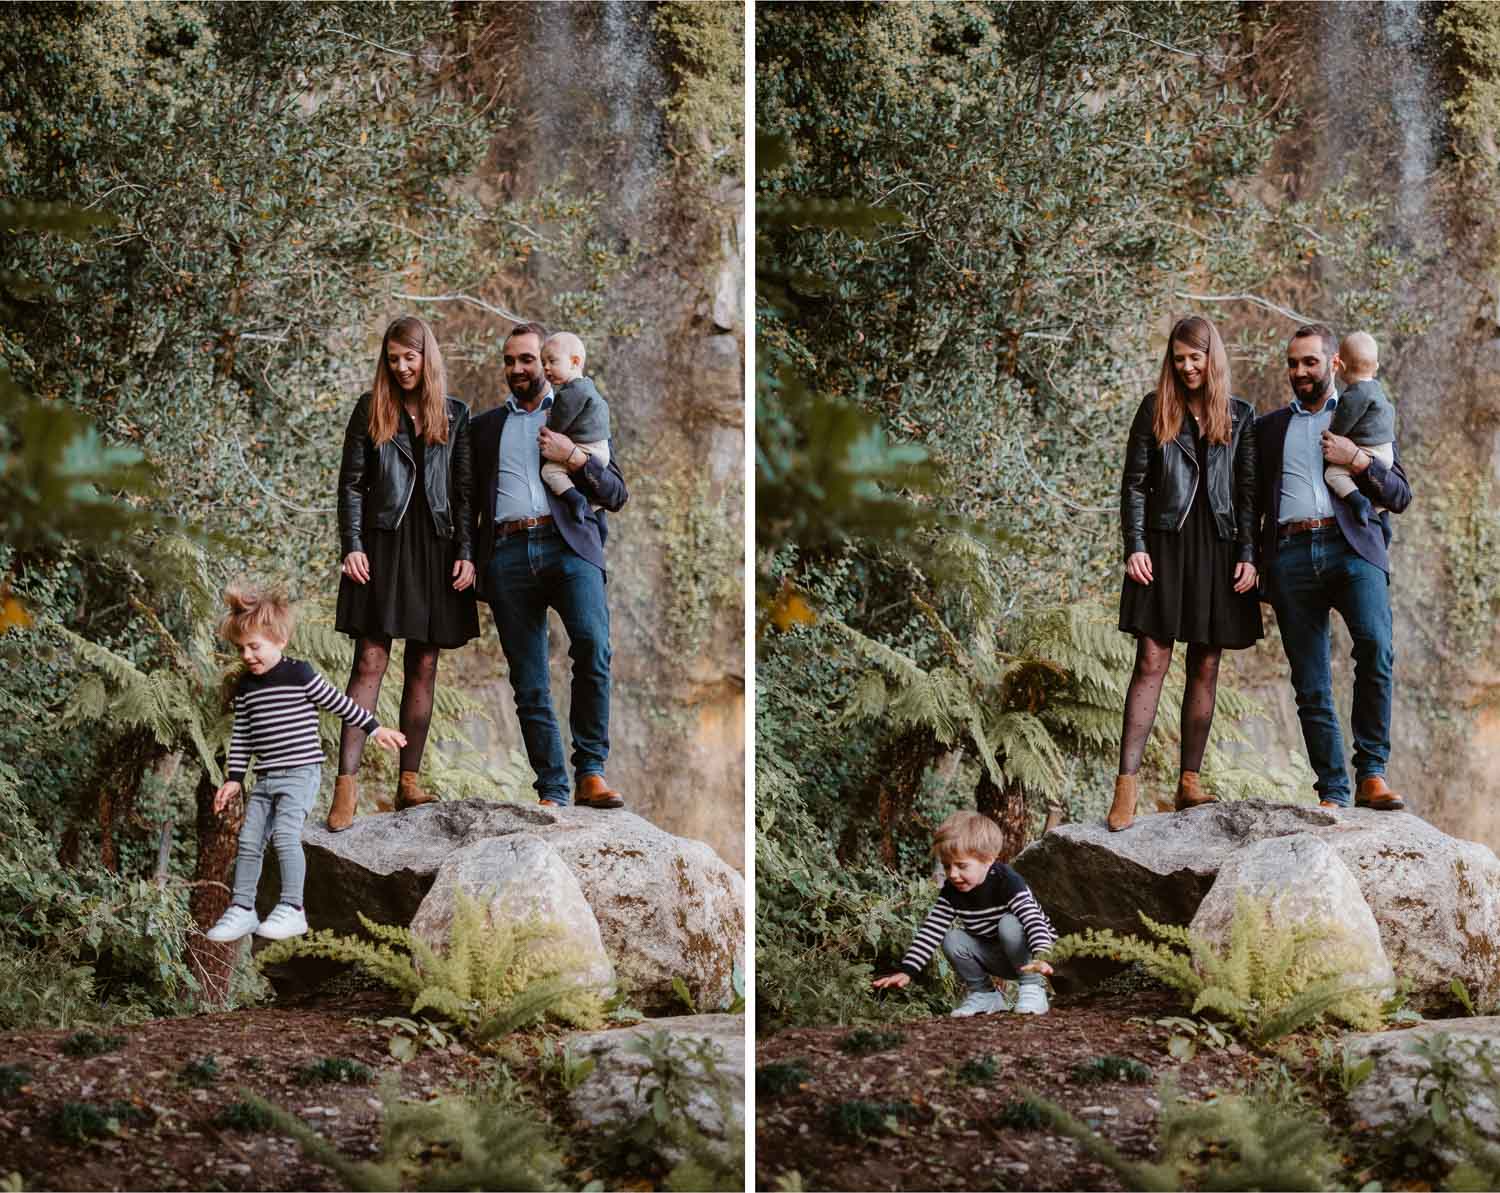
[
  {"x": 968, "y": 834},
  {"x": 256, "y": 611}
]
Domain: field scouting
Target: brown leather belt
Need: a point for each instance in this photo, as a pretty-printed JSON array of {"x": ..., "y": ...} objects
[
  {"x": 506, "y": 529},
  {"x": 1287, "y": 529}
]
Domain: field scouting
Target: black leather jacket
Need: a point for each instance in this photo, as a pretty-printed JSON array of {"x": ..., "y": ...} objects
[
  {"x": 1159, "y": 482},
  {"x": 375, "y": 483}
]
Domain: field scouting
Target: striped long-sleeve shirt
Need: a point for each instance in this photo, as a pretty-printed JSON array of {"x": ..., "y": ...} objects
[
  {"x": 276, "y": 717},
  {"x": 978, "y": 911}
]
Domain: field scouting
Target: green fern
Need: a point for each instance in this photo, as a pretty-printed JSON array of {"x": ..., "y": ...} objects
[{"x": 492, "y": 978}]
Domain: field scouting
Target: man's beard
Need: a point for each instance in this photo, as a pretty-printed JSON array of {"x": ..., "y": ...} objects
[
  {"x": 1322, "y": 387},
  {"x": 532, "y": 388}
]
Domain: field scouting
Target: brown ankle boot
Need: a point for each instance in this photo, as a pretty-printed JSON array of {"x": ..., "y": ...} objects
[
  {"x": 1122, "y": 811},
  {"x": 408, "y": 794},
  {"x": 1189, "y": 794},
  {"x": 345, "y": 799}
]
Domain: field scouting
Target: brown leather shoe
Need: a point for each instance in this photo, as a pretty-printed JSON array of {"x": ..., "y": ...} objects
[
  {"x": 345, "y": 799},
  {"x": 408, "y": 794},
  {"x": 594, "y": 792},
  {"x": 1122, "y": 811},
  {"x": 1189, "y": 794},
  {"x": 1373, "y": 793},
  {"x": 549, "y": 803}
]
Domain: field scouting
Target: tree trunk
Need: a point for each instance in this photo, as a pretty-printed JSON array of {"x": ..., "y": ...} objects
[
  {"x": 1006, "y": 806},
  {"x": 109, "y": 798},
  {"x": 218, "y": 842},
  {"x": 902, "y": 762}
]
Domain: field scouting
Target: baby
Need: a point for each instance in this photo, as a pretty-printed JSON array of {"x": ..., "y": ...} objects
[
  {"x": 276, "y": 702},
  {"x": 1364, "y": 414},
  {"x": 579, "y": 411}
]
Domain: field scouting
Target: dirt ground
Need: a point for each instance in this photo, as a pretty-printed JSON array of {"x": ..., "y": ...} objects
[
  {"x": 952, "y": 1137},
  {"x": 171, "y": 1139}
]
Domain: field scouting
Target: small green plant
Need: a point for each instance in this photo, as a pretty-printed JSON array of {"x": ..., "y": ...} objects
[
  {"x": 1461, "y": 992},
  {"x": 1023, "y": 1114},
  {"x": 122, "y": 1111},
  {"x": 779, "y": 1077},
  {"x": 13, "y": 1078},
  {"x": 571, "y": 1071},
  {"x": 864, "y": 1040},
  {"x": 330, "y": 1069},
  {"x": 78, "y": 1122},
  {"x": 87, "y": 1043},
  {"x": 1459, "y": 1076},
  {"x": 1337, "y": 1062},
  {"x": 858, "y": 1118},
  {"x": 684, "y": 995},
  {"x": 681, "y": 1075},
  {"x": 977, "y": 1070},
  {"x": 1187, "y": 1033},
  {"x": 409, "y": 1035},
  {"x": 245, "y": 1116},
  {"x": 1111, "y": 1068},
  {"x": 201, "y": 1071}
]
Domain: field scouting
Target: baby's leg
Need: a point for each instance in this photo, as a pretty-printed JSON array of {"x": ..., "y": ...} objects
[
  {"x": 1017, "y": 951},
  {"x": 975, "y": 959},
  {"x": 1340, "y": 480},
  {"x": 297, "y": 789},
  {"x": 252, "y": 847},
  {"x": 556, "y": 477}
]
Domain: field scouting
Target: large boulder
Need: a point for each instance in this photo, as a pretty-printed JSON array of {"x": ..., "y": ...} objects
[
  {"x": 1299, "y": 880},
  {"x": 518, "y": 878},
  {"x": 665, "y": 907},
  {"x": 1435, "y": 898}
]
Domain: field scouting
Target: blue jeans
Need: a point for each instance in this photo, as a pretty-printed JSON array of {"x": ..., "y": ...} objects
[
  {"x": 976, "y": 958},
  {"x": 1314, "y": 572},
  {"x": 275, "y": 810},
  {"x": 530, "y": 572}
]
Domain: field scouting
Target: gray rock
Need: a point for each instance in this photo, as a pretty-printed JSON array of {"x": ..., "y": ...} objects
[
  {"x": 1389, "y": 1096},
  {"x": 517, "y": 878},
  {"x": 666, "y": 906},
  {"x": 1435, "y": 898},
  {"x": 1301, "y": 880},
  {"x": 608, "y": 1098}
]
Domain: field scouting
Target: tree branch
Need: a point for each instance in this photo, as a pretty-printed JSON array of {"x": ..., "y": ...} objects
[
  {"x": 1253, "y": 299},
  {"x": 482, "y": 305}
]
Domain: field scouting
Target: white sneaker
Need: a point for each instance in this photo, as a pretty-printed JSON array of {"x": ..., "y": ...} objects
[
  {"x": 980, "y": 1002},
  {"x": 234, "y": 924},
  {"x": 285, "y": 921},
  {"x": 1032, "y": 1000}
]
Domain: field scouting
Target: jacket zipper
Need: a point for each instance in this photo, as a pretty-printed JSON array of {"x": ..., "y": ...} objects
[{"x": 412, "y": 461}]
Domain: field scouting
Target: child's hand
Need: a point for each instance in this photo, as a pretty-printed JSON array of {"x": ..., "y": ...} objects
[
  {"x": 893, "y": 979},
  {"x": 1040, "y": 967},
  {"x": 388, "y": 738},
  {"x": 225, "y": 793}
]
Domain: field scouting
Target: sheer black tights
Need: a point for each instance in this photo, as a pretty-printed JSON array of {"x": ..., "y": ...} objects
[
  {"x": 1152, "y": 658},
  {"x": 371, "y": 658}
]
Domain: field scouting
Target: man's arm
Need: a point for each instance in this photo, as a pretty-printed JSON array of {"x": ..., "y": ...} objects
[{"x": 1385, "y": 485}]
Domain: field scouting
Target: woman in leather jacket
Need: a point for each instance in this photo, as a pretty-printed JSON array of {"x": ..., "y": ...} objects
[
  {"x": 1187, "y": 510},
  {"x": 405, "y": 534}
]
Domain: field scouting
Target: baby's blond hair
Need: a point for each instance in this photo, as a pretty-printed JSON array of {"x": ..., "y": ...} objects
[
  {"x": 570, "y": 344},
  {"x": 1360, "y": 353},
  {"x": 968, "y": 834},
  {"x": 256, "y": 611}
]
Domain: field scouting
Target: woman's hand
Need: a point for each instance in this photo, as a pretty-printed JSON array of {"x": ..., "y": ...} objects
[
  {"x": 1138, "y": 567},
  {"x": 225, "y": 793},
  {"x": 1244, "y": 577},
  {"x": 356, "y": 566},
  {"x": 1038, "y": 966},
  {"x": 388, "y": 738},
  {"x": 463, "y": 574},
  {"x": 892, "y": 979},
  {"x": 555, "y": 446}
]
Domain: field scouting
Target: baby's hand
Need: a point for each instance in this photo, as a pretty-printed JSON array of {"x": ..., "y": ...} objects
[
  {"x": 1040, "y": 967},
  {"x": 892, "y": 979},
  {"x": 390, "y": 739},
  {"x": 226, "y": 792}
]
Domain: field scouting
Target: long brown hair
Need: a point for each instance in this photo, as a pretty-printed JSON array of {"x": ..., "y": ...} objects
[
  {"x": 385, "y": 406},
  {"x": 1171, "y": 399}
]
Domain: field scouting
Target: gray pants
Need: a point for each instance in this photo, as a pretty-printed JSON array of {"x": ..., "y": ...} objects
[
  {"x": 976, "y": 959},
  {"x": 275, "y": 810}
]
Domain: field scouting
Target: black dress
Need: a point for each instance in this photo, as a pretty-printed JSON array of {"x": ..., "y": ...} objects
[
  {"x": 1191, "y": 597},
  {"x": 410, "y": 590}
]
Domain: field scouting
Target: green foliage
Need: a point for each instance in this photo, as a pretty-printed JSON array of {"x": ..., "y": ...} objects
[
  {"x": 680, "y": 1076},
  {"x": 1111, "y": 1068},
  {"x": 1023, "y": 1114},
  {"x": 1455, "y": 1092},
  {"x": 245, "y": 1116},
  {"x": 492, "y": 978},
  {"x": 977, "y": 1070},
  {"x": 858, "y": 1118},
  {"x": 780, "y": 1077},
  {"x": 559, "y": 1062},
  {"x": 336, "y": 1069},
  {"x": 864, "y": 1040},
  {"x": 707, "y": 107},
  {"x": 88, "y": 1043},
  {"x": 201, "y": 1071},
  {"x": 79, "y": 1122},
  {"x": 12, "y": 1078},
  {"x": 1269, "y": 979},
  {"x": 1337, "y": 1061}
]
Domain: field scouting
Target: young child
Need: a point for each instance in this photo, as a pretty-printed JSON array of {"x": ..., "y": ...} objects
[
  {"x": 276, "y": 704},
  {"x": 579, "y": 411},
  {"x": 1364, "y": 414},
  {"x": 1001, "y": 930}
]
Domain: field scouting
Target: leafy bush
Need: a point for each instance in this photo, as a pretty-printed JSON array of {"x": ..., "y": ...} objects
[
  {"x": 201, "y": 1071},
  {"x": 338, "y": 1069},
  {"x": 12, "y": 1079},
  {"x": 858, "y": 1118},
  {"x": 780, "y": 1077},
  {"x": 864, "y": 1040},
  {"x": 87, "y": 1043},
  {"x": 1111, "y": 1068},
  {"x": 78, "y": 1122},
  {"x": 245, "y": 1116},
  {"x": 1022, "y": 1114},
  {"x": 977, "y": 1070}
]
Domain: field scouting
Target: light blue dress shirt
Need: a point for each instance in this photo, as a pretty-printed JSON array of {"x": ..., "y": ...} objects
[
  {"x": 519, "y": 492},
  {"x": 1304, "y": 492}
]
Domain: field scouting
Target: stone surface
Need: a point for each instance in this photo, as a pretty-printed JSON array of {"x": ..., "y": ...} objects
[
  {"x": 608, "y": 1096},
  {"x": 665, "y": 906},
  {"x": 1389, "y": 1097},
  {"x": 1435, "y": 898},
  {"x": 1300, "y": 879},
  {"x": 516, "y": 878}
]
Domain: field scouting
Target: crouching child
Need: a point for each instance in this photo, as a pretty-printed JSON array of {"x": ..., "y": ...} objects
[{"x": 986, "y": 919}]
